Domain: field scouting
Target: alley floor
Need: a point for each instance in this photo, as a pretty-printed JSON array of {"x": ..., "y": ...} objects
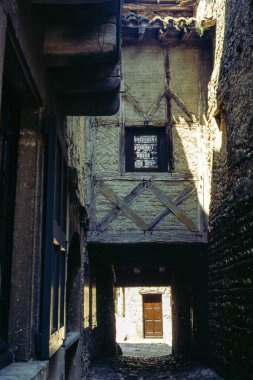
[{"x": 149, "y": 362}]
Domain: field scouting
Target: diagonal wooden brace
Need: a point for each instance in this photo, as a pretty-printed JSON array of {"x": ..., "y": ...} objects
[
  {"x": 181, "y": 215},
  {"x": 121, "y": 204}
]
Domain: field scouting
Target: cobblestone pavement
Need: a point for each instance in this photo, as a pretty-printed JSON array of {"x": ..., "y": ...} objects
[
  {"x": 145, "y": 350},
  {"x": 140, "y": 367}
]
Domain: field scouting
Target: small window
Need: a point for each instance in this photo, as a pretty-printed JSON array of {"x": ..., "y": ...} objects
[{"x": 146, "y": 149}]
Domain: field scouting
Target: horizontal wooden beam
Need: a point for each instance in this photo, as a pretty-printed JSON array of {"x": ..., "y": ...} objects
[
  {"x": 67, "y": 2},
  {"x": 84, "y": 87},
  {"x": 170, "y": 177},
  {"x": 84, "y": 79},
  {"x": 171, "y": 2},
  {"x": 77, "y": 42},
  {"x": 96, "y": 104},
  {"x": 161, "y": 237},
  {"x": 151, "y": 2},
  {"x": 157, "y": 7}
]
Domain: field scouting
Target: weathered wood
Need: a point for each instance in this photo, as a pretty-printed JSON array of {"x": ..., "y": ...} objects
[
  {"x": 72, "y": 81},
  {"x": 181, "y": 215},
  {"x": 162, "y": 237},
  {"x": 180, "y": 198},
  {"x": 127, "y": 211},
  {"x": 134, "y": 103},
  {"x": 122, "y": 155},
  {"x": 155, "y": 106},
  {"x": 98, "y": 104},
  {"x": 117, "y": 211},
  {"x": 152, "y": 1},
  {"x": 209, "y": 24},
  {"x": 90, "y": 171},
  {"x": 180, "y": 103},
  {"x": 80, "y": 78},
  {"x": 157, "y": 7},
  {"x": 170, "y": 177},
  {"x": 70, "y": 2},
  {"x": 72, "y": 41}
]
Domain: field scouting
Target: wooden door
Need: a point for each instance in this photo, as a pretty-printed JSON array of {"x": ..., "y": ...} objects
[{"x": 152, "y": 316}]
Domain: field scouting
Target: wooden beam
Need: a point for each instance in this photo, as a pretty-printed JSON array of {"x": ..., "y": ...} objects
[
  {"x": 67, "y": 2},
  {"x": 180, "y": 103},
  {"x": 180, "y": 198},
  {"x": 64, "y": 43},
  {"x": 174, "y": 2},
  {"x": 96, "y": 104},
  {"x": 116, "y": 211},
  {"x": 127, "y": 211},
  {"x": 161, "y": 237},
  {"x": 84, "y": 79},
  {"x": 157, "y": 7},
  {"x": 165, "y": 177},
  {"x": 181, "y": 215},
  {"x": 209, "y": 24}
]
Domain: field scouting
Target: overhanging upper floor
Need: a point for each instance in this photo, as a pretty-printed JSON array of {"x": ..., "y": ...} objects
[{"x": 82, "y": 53}]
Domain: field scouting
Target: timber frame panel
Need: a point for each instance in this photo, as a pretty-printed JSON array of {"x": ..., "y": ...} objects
[{"x": 147, "y": 232}]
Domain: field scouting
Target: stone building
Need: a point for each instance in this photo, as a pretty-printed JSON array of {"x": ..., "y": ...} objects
[
  {"x": 126, "y": 147},
  {"x": 143, "y": 313},
  {"x": 53, "y": 62}
]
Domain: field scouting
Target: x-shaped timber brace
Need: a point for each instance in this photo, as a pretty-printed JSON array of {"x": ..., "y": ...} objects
[{"x": 122, "y": 206}]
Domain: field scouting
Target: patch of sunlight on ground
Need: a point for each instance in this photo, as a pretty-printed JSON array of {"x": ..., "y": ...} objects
[{"x": 146, "y": 349}]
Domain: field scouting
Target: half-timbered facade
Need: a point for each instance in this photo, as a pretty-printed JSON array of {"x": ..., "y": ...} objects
[{"x": 148, "y": 176}]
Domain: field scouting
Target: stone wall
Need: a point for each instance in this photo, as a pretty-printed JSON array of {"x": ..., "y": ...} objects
[{"x": 231, "y": 217}]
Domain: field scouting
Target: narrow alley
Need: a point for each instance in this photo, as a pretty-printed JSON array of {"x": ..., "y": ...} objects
[{"x": 126, "y": 189}]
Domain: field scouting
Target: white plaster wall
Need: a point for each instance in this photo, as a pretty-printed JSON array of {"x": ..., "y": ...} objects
[{"x": 130, "y": 327}]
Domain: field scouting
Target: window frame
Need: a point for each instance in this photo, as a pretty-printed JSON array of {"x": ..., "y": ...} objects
[
  {"x": 162, "y": 143},
  {"x": 53, "y": 310},
  {"x": 9, "y": 137}
]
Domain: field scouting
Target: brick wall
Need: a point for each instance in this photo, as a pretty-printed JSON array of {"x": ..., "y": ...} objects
[{"x": 231, "y": 214}]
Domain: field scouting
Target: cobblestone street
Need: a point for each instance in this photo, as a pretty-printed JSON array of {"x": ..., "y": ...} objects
[{"x": 148, "y": 362}]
